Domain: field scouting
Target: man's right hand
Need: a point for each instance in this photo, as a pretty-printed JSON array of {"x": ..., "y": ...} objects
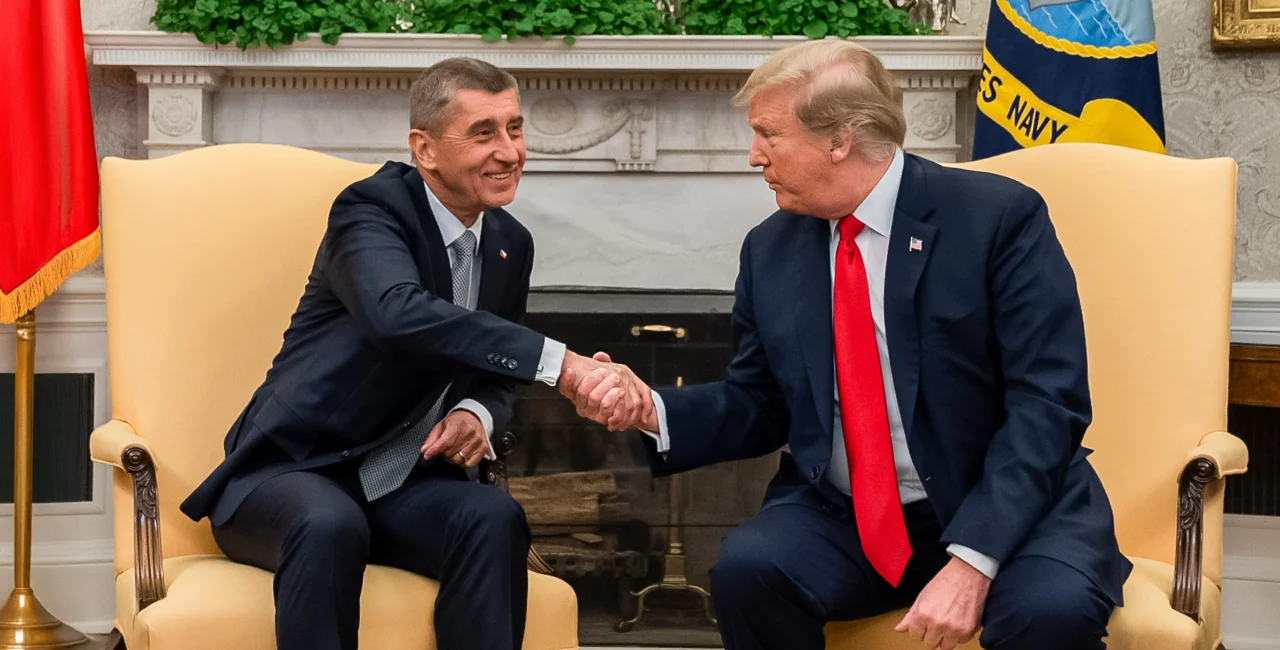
[{"x": 606, "y": 392}]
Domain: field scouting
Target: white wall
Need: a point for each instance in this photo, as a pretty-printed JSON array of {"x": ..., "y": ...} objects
[{"x": 72, "y": 549}]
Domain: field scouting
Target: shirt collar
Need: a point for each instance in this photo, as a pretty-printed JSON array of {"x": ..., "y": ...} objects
[
  {"x": 876, "y": 211},
  {"x": 451, "y": 227}
]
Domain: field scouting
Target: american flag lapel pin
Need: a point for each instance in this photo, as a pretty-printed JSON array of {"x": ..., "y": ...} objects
[
  {"x": 502, "y": 253},
  {"x": 915, "y": 245}
]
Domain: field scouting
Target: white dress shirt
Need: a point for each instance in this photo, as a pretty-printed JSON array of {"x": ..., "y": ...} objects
[
  {"x": 451, "y": 229},
  {"x": 876, "y": 213}
]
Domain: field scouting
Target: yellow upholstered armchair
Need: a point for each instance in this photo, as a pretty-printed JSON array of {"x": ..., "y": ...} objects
[
  {"x": 207, "y": 253},
  {"x": 1151, "y": 239}
]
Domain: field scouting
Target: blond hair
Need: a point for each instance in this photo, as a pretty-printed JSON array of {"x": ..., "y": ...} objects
[{"x": 841, "y": 87}]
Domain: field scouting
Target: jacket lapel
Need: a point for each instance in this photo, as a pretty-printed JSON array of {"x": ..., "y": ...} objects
[
  {"x": 910, "y": 244},
  {"x": 493, "y": 273},
  {"x": 811, "y": 285},
  {"x": 440, "y": 276}
]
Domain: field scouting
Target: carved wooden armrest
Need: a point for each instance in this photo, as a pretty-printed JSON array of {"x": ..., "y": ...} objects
[
  {"x": 1219, "y": 455},
  {"x": 494, "y": 472},
  {"x": 115, "y": 443}
]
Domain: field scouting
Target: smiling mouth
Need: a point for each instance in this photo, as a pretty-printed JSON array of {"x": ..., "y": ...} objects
[{"x": 499, "y": 176}]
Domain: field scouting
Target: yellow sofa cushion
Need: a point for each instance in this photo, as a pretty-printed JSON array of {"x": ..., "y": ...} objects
[
  {"x": 1146, "y": 622},
  {"x": 215, "y": 604}
]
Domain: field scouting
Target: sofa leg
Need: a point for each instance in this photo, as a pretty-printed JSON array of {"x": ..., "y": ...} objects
[{"x": 115, "y": 641}]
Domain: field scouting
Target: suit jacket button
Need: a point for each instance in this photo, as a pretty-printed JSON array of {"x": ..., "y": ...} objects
[
  {"x": 491, "y": 356},
  {"x": 813, "y": 473},
  {"x": 511, "y": 364}
]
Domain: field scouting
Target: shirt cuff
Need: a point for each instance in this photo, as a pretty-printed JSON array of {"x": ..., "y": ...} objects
[
  {"x": 987, "y": 566},
  {"x": 486, "y": 419},
  {"x": 660, "y": 436},
  {"x": 552, "y": 361}
]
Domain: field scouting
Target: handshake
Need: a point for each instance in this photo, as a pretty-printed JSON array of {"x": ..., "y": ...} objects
[{"x": 607, "y": 393}]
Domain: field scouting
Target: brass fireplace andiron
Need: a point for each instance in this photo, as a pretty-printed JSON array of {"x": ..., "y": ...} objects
[{"x": 673, "y": 578}]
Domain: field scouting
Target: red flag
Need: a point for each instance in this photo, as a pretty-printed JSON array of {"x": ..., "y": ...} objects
[{"x": 48, "y": 165}]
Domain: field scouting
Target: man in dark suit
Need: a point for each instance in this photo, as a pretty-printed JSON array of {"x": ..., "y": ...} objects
[
  {"x": 400, "y": 361},
  {"x": 914, "y": 334}
]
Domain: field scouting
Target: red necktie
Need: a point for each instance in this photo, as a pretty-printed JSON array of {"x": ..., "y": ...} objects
[{"x": 876, "y": 505}]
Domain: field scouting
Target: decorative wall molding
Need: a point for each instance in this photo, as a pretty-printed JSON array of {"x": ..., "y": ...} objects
[
  {"x": 1255, "y": 313},
  {"x": 613, "y": 53},
  {"x": 63, "y": 552},
  {"x": 80, "y": 305}
]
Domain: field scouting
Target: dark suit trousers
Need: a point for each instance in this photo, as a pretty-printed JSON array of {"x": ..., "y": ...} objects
[
  {"x": 315, "y": 531},
  {"x": 782, "y": 575}
]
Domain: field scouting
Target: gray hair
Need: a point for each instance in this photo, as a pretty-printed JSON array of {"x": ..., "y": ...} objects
[
  {"x": 431, "y": 96},
  {"x": 841, "y": 87}
]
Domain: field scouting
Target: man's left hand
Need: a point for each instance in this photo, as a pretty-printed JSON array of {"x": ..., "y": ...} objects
[
  {"x": 459, "y": 438},
  {"x": 949, "y": 609}
]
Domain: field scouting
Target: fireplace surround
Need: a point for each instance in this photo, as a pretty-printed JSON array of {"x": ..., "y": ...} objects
[{"x": 638, "y": 194}]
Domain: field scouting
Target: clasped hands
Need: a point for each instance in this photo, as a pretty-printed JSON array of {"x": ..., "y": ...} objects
[
  {"x": 607, "y": 393},
  {"x": 947, "y": 612}
]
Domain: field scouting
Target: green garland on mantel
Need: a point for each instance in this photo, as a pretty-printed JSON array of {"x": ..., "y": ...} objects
[{"x": 273, "y": 23}]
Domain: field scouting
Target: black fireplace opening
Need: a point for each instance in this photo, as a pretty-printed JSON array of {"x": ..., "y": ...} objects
[{"x": 636, "y": 549}]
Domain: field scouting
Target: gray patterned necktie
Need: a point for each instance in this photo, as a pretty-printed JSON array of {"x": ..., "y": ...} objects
[{"x": 386, "y": 466}]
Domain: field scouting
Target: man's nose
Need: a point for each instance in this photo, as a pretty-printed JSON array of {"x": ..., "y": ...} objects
[
  {"x": 756, "y": 158},
  {"x": 507, "y": 150}
]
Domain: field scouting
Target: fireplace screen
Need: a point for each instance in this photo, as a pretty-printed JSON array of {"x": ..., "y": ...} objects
[{"x": 635, "y": 549}]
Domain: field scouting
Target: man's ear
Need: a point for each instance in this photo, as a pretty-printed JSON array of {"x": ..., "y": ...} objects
[
  {"x": 424, "y": 149},
  {"x": 841, "y": 146}
]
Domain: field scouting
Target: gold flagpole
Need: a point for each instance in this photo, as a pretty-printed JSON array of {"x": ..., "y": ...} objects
[{"x": 24, "y": 622}]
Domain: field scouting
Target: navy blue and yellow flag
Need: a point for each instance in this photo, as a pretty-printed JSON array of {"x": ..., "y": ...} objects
[{"x": 1069, "y": 71}]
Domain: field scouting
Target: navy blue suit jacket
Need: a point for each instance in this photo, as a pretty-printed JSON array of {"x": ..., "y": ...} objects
[
  {"x": 986, "y": 343},
  {"x": 376, "y": 338}
]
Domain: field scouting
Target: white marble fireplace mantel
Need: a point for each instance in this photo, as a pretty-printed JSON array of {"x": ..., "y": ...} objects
[{"x": 637, "y": 176}]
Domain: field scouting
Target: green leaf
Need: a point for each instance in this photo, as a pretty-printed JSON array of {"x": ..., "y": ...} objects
[
  {"x": 815, "y": 29},
  {"x": 251, "y": 23},
  {"x": 570, "y": 40}
]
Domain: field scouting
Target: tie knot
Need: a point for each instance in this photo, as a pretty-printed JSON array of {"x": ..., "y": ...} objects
[
  {"x": 465, "y": 244},
  {"x": 849, "y": 228}
]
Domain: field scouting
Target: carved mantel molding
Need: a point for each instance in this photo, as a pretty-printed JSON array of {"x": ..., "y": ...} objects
[
  {"x": 412, "y": 52},
  {"x": 637, "y": 174},
  {"x": 606, "y": 103}
]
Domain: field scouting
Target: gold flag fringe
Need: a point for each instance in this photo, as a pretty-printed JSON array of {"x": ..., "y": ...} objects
[{"x": 49, "y": 277}]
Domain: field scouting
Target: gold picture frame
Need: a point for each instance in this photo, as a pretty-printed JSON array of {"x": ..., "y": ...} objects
[{"x": 1246, "y": 24}]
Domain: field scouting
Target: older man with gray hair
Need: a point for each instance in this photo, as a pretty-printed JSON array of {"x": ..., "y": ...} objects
[
  {"x": 913, "y": 333},
  {"x": 400, "y": 362}
]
